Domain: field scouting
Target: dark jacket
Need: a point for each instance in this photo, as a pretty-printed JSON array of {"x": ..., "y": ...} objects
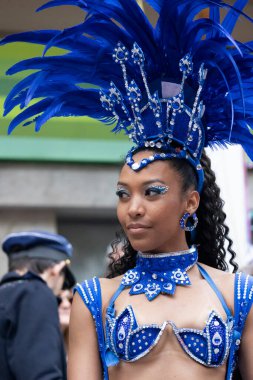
[{"x": 31, "y": 345}]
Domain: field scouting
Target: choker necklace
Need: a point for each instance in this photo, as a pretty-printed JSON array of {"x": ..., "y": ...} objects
[{"x": 161, "y": 273}]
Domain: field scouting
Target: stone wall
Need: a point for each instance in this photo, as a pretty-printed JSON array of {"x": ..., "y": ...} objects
[{"x": 37, "y": 196}]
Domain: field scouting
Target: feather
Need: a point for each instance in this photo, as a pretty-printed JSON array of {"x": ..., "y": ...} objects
[
  {"x": 69, "y": 83},
  {"x": 36, "y": 37},
  {"x": 55, "y": 3},
  {"x": 18, "y": 88},
  {"x": 233, "y": 15},
  {"x": 29, "y": 112}
]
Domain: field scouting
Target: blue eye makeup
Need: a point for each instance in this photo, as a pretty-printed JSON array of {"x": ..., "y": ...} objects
[
  {"x": 157, "y": 190},
  {"x": 122, "y": 192}
]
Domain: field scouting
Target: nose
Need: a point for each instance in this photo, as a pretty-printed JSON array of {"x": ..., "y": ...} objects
[
  {"x": 136, "y": 207},
  {"x": 65, "y": 304}
]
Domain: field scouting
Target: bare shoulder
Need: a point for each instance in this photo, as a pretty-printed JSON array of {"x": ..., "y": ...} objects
[
  {"x": 108, "y": 287},
  {"x": 224, "y": 281},
  {"x": 220, "y": 275}
]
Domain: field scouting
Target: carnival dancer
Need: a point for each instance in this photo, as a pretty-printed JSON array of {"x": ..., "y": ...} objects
[{"x": 168, "y": 310}]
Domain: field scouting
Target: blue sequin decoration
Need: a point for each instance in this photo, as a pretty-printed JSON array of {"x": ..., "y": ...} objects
[{"x": 155, "y": 274}]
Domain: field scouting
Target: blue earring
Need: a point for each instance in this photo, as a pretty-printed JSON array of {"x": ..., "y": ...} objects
[{"x": 184, "y": 221}]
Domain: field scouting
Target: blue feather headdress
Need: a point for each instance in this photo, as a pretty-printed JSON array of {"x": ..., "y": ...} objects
[{"x": 175, "y": 87}]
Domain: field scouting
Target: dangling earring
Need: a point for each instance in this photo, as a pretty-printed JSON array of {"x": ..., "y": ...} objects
[{"x": 184, "y": 221}]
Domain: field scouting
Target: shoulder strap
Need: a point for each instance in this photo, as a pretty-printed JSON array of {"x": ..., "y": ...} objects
[
  {"x": 110, "y": 308},
  {"x": 216, "y": 290},
  {"x": 243, "y": 299},
  {"x": 90, "y": 292}
]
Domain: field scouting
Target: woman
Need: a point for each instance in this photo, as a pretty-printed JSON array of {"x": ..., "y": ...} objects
[
  {"x": 64, "y": 308},
  {"x": 64, "y": 305},
  {"x": 168, "y": 310},
  {"x": 151, "y": 204}
]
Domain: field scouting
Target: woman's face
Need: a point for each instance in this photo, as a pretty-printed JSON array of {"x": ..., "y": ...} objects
[
  {"x": 151, "y": 204},
  {"x": 64, "y": 308}
]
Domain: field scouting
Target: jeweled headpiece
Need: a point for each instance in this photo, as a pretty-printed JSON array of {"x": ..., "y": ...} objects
[
  {"x": 151, "y": 123},
  {"x": 174, "y": 88}
]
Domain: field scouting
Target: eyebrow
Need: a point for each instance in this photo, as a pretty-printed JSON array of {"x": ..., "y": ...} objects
[{"x": 144, "y": 183}]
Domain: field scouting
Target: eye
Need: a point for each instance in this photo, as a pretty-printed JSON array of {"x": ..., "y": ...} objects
[
  {"x": 156, "y": 190},
  {"x": 122, "y": 193}
]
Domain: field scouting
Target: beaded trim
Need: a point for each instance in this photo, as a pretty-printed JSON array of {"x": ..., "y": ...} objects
[
  {"x": 230, "y": 335},
  {"x": 169, "y": 254},
  {"x": 205, "y": 333},
  {"x": 79, "y": 286}
]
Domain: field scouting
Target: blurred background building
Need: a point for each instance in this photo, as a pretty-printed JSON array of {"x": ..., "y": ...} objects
[{"x": 64, "y": 178}]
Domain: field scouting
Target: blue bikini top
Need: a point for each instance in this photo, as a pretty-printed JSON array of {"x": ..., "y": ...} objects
[{"x": 126, "y": 340}]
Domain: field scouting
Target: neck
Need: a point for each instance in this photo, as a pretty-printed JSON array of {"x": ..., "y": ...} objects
[
  {"x": 167, "y": 253},
  {"x": 176, "y": 244},
  {"x": 21, "y": 272},
  {"x": 46, "y": 277},
  {"x": 66, "y": 340},
  {"x": 49, "y": 279}
]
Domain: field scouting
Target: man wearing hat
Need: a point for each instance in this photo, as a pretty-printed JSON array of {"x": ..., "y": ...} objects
[{"x": 31, "y": 345}]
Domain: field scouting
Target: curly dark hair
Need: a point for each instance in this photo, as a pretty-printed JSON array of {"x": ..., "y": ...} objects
[{"x": 211, "y": 235}]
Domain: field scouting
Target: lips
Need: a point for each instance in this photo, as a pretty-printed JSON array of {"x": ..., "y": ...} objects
[{"x": 137, "y": 227}]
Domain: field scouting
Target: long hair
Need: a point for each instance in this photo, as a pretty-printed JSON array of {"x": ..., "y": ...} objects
[{"x": 211, "y": 235}]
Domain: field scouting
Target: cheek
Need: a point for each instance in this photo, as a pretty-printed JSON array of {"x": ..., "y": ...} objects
[
  {"x": 121, "y": 213},
  {"x": 168, "y": 214}
]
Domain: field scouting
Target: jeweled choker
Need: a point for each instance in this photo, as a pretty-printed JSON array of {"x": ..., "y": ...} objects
[{"x": 160, "y": 273}]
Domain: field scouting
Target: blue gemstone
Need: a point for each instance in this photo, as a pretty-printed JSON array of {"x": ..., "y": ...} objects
[
  {"x": 176, "y": 105},
  {"x": 120, "y": 54},
  {"x": 133, "y": 95},
  {"x": 184, "y": 67}
]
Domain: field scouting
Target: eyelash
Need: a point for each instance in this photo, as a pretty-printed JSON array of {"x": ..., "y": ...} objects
[
  {"x": 121, "y": 192},
  {"x": 158, "y": 190}
]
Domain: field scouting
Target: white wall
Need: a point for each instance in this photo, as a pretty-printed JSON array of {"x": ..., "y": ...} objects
[{"x": 229, "y": 166}]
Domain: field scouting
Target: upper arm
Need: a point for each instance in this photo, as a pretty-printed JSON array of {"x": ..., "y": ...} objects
[
  {"x": 84, "y": 360},
  {"x": 246, "y": 349}
]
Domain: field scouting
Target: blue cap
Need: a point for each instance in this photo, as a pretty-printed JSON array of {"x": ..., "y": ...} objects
[{"x": 37, "y": 244}]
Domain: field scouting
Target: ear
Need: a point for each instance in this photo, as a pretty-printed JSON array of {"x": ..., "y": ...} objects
[
  {"x": 192, "y": 201},
  {"x": 58, "y": 267}
]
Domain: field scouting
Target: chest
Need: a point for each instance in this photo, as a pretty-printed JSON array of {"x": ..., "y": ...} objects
[
  {"x": 193, "y": 319},
  {"x": 189, "y": 307}
]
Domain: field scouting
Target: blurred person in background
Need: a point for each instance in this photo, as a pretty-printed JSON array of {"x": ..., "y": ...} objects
[
  {"x": 64, "y": 305},
  {"x": 31, "y": 344}
]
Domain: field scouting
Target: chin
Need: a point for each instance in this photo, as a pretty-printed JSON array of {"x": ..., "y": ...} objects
[
  {"x": 142, "y": 246},
  {"x": 64, "y": 320}
]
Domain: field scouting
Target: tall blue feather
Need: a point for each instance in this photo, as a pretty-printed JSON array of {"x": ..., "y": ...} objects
[{"x": 88, "y": 62}]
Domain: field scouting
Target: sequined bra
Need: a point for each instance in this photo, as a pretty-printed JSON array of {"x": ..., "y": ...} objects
[
  {"x": 128, "y": 341},
  {"x": 115, "y": 342}
]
